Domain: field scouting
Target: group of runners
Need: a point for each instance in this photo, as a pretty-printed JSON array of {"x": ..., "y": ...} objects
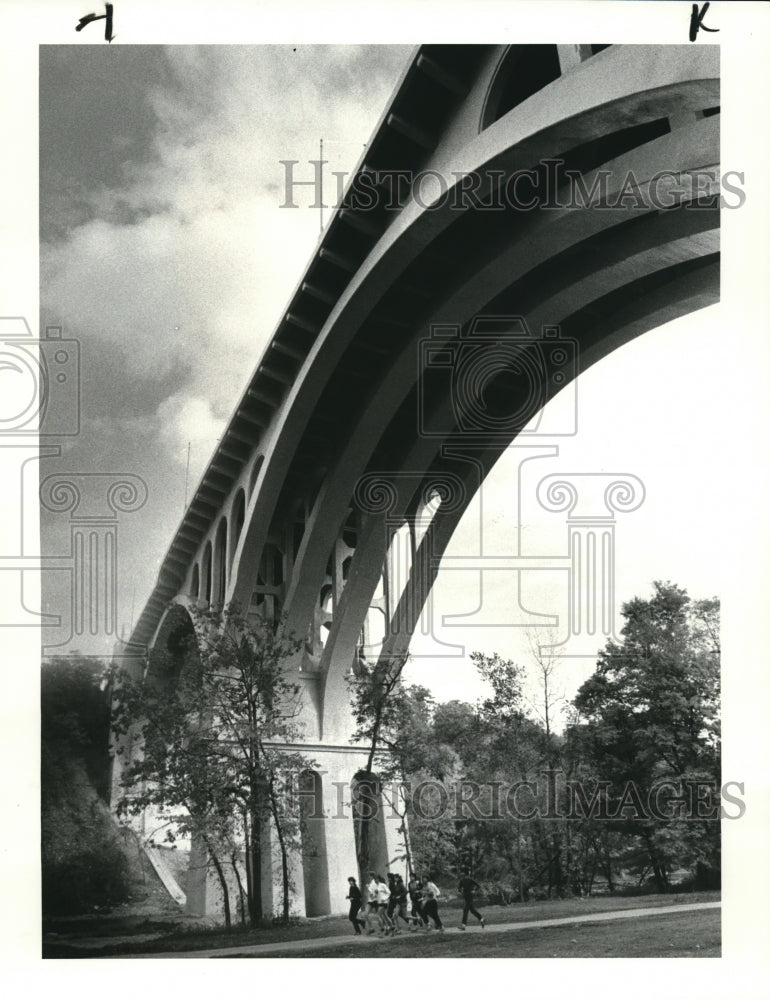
[{"x": 387, "y": 904}]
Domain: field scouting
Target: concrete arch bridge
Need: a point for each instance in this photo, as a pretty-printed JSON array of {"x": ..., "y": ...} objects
[{"x": 520, "y": 212}]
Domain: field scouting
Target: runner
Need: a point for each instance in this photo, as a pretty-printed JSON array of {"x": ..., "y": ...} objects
[
  {"x": 415, "y": 895},
  {"x": 430, "y": 906},
  {"x": 392, "y": 904},
  {"x": 354, "y": 895},
  {"x": 397, "y": 907},
  {"x": 372, "y": 895},
  {"x": 383, "y": 898},
  {"x": 466, "y": 887}
]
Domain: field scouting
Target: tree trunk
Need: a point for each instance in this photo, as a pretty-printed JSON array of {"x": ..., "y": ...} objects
[
  {"x": 234, "y": 863},
  {"x": 222, "y": 881},
  {"x": 608, "y": 867},
  {"x": 247, "y": 862},
  {"x": 363, "y": 849},
  {"x": 367, "y": 803},
  {"x": 661, "y": 881},
  {"x": 407, "y": 850},
  {"x": 255, "y": 869},
  {"x": 284, "y": 856}
]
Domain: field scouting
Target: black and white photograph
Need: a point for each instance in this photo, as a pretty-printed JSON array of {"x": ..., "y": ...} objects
[{"x": 385, "y": 476}]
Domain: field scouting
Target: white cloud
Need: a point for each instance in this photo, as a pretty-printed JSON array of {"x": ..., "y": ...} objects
[
  {"x": 187, "y": 268},
  {"x": 190, "y": 420}
]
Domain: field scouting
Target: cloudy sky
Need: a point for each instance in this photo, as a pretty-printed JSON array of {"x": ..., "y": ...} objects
[
  {"x": 163, "y": 248},
  {"x": 165, "y": 252}
]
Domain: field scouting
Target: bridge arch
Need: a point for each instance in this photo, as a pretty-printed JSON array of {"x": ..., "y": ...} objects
[{"x": 352, "y": 388}]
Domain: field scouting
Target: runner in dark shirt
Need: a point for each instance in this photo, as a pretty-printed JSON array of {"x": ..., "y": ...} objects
[
  {"x": 467, "y": 887},
  {"x": 415, "y": 896},
  {"x": 397, "y": 906},
  {"x": 354, "y": 895}
]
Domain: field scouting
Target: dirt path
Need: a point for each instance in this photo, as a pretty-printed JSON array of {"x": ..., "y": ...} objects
[{"x": 366, "y": 941}]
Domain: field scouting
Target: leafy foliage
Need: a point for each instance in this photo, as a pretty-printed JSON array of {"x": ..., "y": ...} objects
[
  {"x": 203, "y": 724},
  {"x": 648, "y": 714},
  {"x": 651, "y": 714},
  {"x": 84, "y": 864}
]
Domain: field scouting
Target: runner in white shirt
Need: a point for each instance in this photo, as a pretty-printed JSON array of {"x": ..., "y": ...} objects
[
  {"x": 383, "y": 897},
  {"x": 430, "y": 903},
  {"x": 372, "y": 899}
]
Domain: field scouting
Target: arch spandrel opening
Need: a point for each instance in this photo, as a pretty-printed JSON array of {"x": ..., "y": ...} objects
[
  {"x": 205, "y": 592},
  {"x": 219, "y": 565},
  {"x": 174, "y": 659},
  {"x": 236, "y": 525},
  {"x": 523, "y": 71},
  {"x": 268, "y": 590}
]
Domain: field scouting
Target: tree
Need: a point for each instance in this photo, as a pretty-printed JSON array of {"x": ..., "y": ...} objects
[
  {"x": 515, "y": 747},
  {"x": 74, "y": 718},
  {"x": 84, "y": 861},
  {"x": 545, "y": 666},
  {"x": 651, "y": 712},
  {"x": 408, "y": 756},
  {"x": 205, "y": 722},
  {"x": 543, "y": 704},
  {"x": 372, "y": 700}
]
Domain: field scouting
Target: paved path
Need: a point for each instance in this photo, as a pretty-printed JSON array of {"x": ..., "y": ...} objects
[{"x": 368, "y": 941}]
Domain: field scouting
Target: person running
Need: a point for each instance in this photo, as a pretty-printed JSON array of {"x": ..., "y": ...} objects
[
  {"x": 397, "y": 906},
  {"x": 467, "y": 887},
  {"x": 354, "y": 895},
  {"x": 431, "y": 893},
  {"x": 383, "y": 898},
  {"x": 372, "y": 897},
  {"x": 393, "y": 929},
  {"x": 415, "y": 896}
]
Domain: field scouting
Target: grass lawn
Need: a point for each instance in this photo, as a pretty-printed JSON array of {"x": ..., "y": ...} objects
[
  {"x": 96, "y": 938},
  {"x": 673, "y": 935}
]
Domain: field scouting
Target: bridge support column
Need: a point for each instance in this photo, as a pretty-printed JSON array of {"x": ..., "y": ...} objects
[
  {"x": 340, "y": 834},
  {"x": 205, "y": 897}
]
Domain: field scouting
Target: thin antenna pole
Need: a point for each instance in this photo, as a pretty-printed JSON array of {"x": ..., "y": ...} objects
[
  {"x": 186, "y": 478},
  {"x": 321, "y": 187}
]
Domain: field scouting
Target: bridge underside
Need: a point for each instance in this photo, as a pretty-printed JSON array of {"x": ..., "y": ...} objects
[{"x": 422, "y": 340}]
